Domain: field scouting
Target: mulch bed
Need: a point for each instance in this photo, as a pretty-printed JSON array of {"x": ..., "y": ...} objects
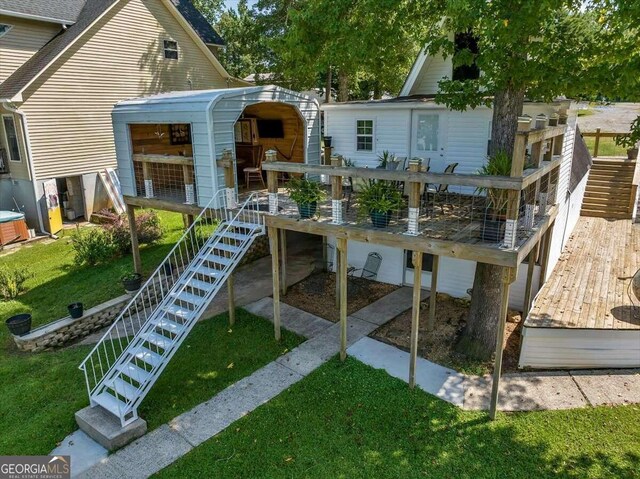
[
  {"x": 317, "y": 294},
  {"x": 439, "y": 345}
]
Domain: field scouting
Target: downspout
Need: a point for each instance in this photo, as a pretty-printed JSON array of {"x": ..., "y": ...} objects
[{"x": 27, "y": 142}]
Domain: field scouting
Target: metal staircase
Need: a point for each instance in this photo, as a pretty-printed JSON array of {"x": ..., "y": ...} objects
[{"x": 127, "y": 361}]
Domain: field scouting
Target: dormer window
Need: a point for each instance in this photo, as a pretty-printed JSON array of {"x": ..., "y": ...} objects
[
  {"x": 170, "y": 50},
  {"x": 4, "y": 29}
]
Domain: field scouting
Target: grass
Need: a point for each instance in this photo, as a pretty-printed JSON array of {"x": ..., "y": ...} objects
[
  {"x": 41, "y": 392},
  {"x": 607, "y": 147},
  {"x": 348, "y": 420}
]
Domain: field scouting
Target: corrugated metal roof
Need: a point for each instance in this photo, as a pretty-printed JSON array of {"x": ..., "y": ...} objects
[{"x": 67, "y": 11}]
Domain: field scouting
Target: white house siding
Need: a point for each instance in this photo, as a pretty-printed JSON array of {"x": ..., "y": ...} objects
[
  {"x": 120, "y": 57},
  {"x": 435, "y": 69},
  {"x": 391, "y": 132}
]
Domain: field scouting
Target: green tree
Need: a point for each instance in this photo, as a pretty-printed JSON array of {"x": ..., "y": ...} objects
[
  {"x": 210, "y": 9},
  {"x": 538, "y": 50},
  {"x": 237, "y": 28}
]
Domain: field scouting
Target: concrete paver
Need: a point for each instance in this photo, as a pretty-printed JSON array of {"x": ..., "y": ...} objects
[{"x": 612, "y": 386}]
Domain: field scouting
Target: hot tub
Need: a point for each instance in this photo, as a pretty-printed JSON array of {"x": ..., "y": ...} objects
[{"x": 12, "y": 227}]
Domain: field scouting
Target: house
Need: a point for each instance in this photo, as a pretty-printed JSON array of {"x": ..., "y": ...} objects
[
  {"x": 413, "y": 125},
  {"x": 64, "y": 64}
]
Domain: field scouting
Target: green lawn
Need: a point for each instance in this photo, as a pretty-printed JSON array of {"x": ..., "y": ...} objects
[
  {"x": 607, "y": 147},
  {"x": 348, "y": 420},
  {"x": 41, "y": 392}
]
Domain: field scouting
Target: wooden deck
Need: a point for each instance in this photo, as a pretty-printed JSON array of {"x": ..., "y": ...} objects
[{"x": 588, "y": 288}]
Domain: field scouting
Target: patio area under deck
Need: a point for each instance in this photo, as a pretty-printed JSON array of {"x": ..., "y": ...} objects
[{"x": 585, "y": 315}]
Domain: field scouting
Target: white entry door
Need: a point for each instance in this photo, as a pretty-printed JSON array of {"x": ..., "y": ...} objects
[{"x": 428, "y": 138}]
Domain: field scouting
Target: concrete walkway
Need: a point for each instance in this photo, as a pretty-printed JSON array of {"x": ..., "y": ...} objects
[
  {"x": 164, "y": 445},
  {"x": 526, "y": 391}
]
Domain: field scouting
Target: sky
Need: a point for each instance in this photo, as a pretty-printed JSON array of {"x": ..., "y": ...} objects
[{"x": 234, "y": 3}]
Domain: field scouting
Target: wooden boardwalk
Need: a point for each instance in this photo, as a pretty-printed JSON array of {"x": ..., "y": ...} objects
[{"x": 589, "y": 287}]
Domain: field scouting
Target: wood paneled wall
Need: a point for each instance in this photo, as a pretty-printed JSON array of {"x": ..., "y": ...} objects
[{"x": 145, "y": 139}]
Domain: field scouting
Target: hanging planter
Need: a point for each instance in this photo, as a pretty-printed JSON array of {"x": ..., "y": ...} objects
[
  {"x": 20, "y": 324},
  {"x": 76, "y": 310}
]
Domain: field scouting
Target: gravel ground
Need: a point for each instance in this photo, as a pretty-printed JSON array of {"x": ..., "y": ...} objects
[{"x": 616, "y": 117}]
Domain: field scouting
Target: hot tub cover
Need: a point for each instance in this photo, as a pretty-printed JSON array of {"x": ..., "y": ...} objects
[{"x": 6, "y": 216}]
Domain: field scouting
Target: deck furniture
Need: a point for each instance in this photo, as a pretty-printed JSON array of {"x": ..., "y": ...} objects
[
  {"x": 370, "y": 268},
  {"x": 254, "y": 172},
  {"x": 438, "y": 191}
]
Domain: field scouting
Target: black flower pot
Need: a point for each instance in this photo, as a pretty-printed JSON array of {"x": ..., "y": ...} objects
[
  {"x": 75, "y": 310},
  {"x": 493, "y": 230},
  {"x": 167, "y": 268},
  {"x": 327, "y": 141},
  {"x": 307, "y": 210},
  {"x": 132, "y": 284},
  {"x": 20, "y": 324},
  {"x": 380, "y": 219}
]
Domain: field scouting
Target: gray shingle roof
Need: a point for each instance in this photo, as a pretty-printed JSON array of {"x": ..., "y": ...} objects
[
  {"x": 88, "y": 14},
  {"x": 200, "y": 24},
  {"x": 66, "y": 11}
]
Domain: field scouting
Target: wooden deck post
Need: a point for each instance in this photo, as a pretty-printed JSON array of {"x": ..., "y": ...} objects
[
  {"x": 545, "y": 250},
  {"x": 415, "y": 315},
  {"x": 342, "y": 252},
  {"x": 232, "y": 300},
  {"x": 414, "y": 200},
  {"x": 431, "y": 321},
  {"x": 336, "y": 193},
  {"x": 508, "y": 277},
  {"x": 283, "y": 261},
  {"x": 189, "y": 187},
  {"x": 272, "y": 182},
  {"x": 517, "y": 167},
  {"x": 148, "y": 182},
  {"x": 135, "y": 246},
  {"x": 327, "y": 154},
  {"x": 275, "y": 274},
  {"x": 528, "y": 292},
  {"x": 596, "y": 144}
]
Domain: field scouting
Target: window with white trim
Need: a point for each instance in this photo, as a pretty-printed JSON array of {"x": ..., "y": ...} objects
[
  {"x": 11, "y": 137},
  {"x": 170, "y": 50},
  {"x": 364, "y": 135},
  {"x": 4, "y": 29}
]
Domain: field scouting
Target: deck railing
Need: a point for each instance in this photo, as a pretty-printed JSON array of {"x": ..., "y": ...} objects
[
  {"x": 609, "y": 137},
  {"x": 449, "y": 206}
]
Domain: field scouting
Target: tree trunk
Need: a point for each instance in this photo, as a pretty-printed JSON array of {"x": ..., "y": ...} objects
[
  {"x": 479, "y": 337},
  {"x": 327, "y": 93},
  {"x": 343, "y": 86}
]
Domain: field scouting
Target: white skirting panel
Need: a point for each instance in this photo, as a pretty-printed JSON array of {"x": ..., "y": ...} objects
[{"x": 563, "y": 348}]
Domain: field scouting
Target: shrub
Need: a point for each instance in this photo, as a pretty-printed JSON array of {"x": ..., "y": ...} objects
[
  {"x": 93, "y": 246},
  {"x": 12, "y": 281},
  {"x": 148, "y": 228}
]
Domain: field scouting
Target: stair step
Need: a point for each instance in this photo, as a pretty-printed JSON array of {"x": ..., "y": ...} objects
[
  {"x": 185, "y": 297},
  {"x": 123, "y": 388},
  {"x": 247, "y": 226},
  {"x": 235, "y": 236},
  {"x": 134, "y": 372},
  {"x": 178, "y": 311},
  {"x": 201, "y": 285},
  {"x": 214, "y": 258},
  {"x": 158, "y": 340},
  {"x": 226, "y": 247},
  {"x": 148, "y": 356},
  {"x": 210, "y": 272},
  {"x": 170, "y": 326},
  {"x": 110, "y": 403}
]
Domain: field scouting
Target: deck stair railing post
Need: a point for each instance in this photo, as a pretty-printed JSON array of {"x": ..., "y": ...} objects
[
  {"x": 126, "y": 362},
  {"x": 513, "y": 196},
  {"x": 414, "y": 200},
  {"x": 271, "y": 156},
  {"x": 336, "y": 193}
]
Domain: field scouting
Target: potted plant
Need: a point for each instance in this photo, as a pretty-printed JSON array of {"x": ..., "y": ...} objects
[
  {"x": 20, "y": 324},
  {"x": 388, "y": 161},
  {"x": 630, "y": 140},
  {"x": 378, "y": 199},
  {"x": 306, "y": 194},
  {"x": 131, "y": 281},
  {"x": 75, "y": 310},
  {"x": 497, "y": 199}
]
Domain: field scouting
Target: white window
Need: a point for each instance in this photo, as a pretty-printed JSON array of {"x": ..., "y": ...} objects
[
  {"x": 364, "y": 135},
  {"x": 427, "y": 133},
  {"x": 4, "y": 29},
  {"x": 11, "y": 137},
  {"x": 170, "y": 50}
]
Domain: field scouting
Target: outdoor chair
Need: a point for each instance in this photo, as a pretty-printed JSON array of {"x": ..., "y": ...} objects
[
  {"x": 370, "y": 268},
  {"x": 438, "y": 191},
  {"x": 254, "y": 172}
]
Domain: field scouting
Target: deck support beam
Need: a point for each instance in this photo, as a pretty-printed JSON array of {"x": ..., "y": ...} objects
[
  {"x": 275, "y": 276},
  {"x": 415, "y": 316},
  {"x": 431, "y": 321},
  {"x": 135, "y": 246},
  {"x": 528, "y": 292},
  {"x": 283, "y": 261},
  {"x": 509, "y": 276},
  {"x": 342, "y": 253},
  {"x": 232, "y": 300},
  {"x": 545, "y": 251}
]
